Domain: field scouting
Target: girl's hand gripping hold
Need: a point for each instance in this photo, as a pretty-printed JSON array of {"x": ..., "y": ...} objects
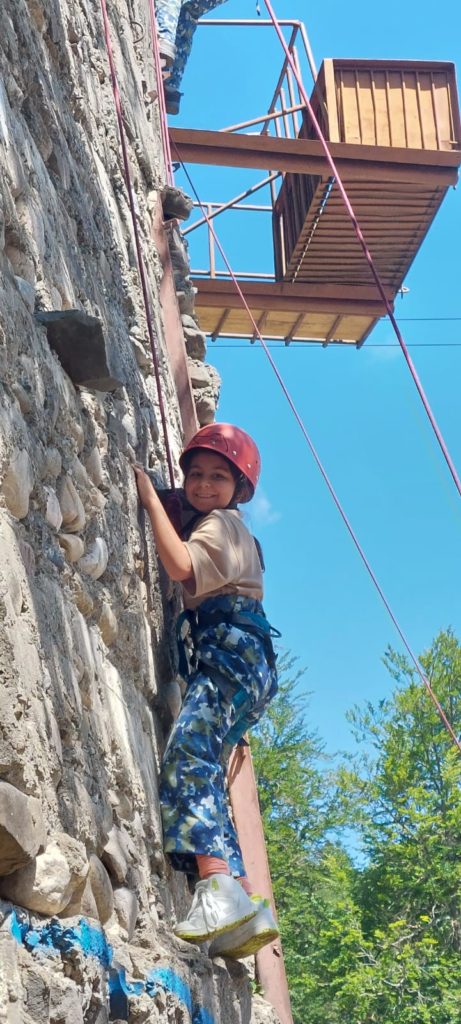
[
  {"x": 171, "y": 549},
  {"x": 146, "y": 491}
]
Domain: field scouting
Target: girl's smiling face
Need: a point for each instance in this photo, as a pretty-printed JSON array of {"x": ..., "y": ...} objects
[{"x": 209, "y": 482}]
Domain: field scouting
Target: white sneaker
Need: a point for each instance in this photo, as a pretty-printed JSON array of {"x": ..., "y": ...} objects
[
  {"x": 219, "y": 904},
  {"x": 250, "y": 937}
]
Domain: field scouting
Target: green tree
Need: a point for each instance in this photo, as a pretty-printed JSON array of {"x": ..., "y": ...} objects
[
  {"x": 312, "y": 878},
  {"x": 409, "y": 790},
  {"x": 379, "y": 942}
]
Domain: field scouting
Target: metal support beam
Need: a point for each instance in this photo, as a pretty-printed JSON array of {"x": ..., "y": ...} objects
[
  {"x": 306, "y": 156},
  {"x": 230, "y": 204},
  {"x": 174, "y": 335},
  {"x": 295, "y": 107}
]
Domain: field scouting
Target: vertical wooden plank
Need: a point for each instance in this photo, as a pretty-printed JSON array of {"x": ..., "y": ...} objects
[
  {"x": 342, "y": 123},
  {"x": 388, "y": 110},
  {"x": 349, "y": 103},
  {"x": 375, "y": 111},
  {"x": 331, "y": 101},
  {"x": 420, "y": 111},
  {"x": 396, "y": 107},
  {"x": 453, "y": 105},
  {"x": 245, "y": 806},
  {"x": 435, "y": 114},
  {"x": 174, "y": 336},
  {"x": 384, "y": 138},
  {"x": 412, "y": 111},
  {"x": 427, "y": 108},
  {"x": 366, "y": 107},
  {"x": 443, "y": 111},
  {"x": 359, "y": 112},
  {"x": 404, "y": 107}
]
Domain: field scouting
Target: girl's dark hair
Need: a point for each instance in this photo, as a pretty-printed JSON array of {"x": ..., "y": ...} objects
[
  {"x": 241, "y": 485},
  {"x": 188, "y": 456}
]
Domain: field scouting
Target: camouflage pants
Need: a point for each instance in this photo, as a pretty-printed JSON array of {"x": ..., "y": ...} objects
[
  {"x": 176, "y": 23},
  {"x": 226, "y": 695}
]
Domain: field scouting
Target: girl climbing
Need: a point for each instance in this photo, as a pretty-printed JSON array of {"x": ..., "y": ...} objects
[
  {"x": 231, "y": 680},
  {"x": 176, "y": 22}
]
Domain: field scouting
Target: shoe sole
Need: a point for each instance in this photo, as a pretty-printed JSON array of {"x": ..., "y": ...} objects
[
  {"x": 188, "y": 937},
  {"x": 252, "y": 946}
]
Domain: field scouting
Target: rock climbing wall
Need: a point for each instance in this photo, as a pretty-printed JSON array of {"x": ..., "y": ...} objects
[{"x": 87, "y": 674}]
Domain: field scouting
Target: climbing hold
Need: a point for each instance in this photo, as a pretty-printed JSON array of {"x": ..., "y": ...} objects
[{"x": 78, "y": 341}]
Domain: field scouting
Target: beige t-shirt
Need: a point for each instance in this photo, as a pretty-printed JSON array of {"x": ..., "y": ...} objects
[{"x": 224, "y": 559}]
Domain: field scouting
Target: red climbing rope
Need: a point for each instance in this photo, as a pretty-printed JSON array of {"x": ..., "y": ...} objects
[
  {"x": 139, "y": 252},
  {"x": 325, "y": 476},
  {"x": 366, "y": 251}
]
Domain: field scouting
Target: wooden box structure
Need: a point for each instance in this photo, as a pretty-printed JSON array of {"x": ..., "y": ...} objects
[
  {"x": 394, "y": 133},
  {"x": 396, "y": 107}
]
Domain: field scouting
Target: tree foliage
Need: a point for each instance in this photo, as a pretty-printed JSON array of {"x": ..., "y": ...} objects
[{"x": 379, "y": 940}]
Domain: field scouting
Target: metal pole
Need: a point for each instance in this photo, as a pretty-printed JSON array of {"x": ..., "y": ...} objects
[
  {"x": 211, "y": 247},
  {"x": 232, "y": 202},
  {"x": 263, "y": 22},
  {"x": 265, "y": 117}
]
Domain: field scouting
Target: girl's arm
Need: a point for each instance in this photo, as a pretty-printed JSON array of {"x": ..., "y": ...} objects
[{"x": 172, "y": 551}]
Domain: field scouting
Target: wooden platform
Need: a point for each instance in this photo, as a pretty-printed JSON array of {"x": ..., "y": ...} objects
[
  {"x": 395, "y": 107},
  {"x": 394, "y": 218},
  {"x": 287, "y": 312},
  {"x": 394, "y": 134}
]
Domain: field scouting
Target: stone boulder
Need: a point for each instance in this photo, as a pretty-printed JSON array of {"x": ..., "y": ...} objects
[
  {"x": 17, "y": 484},
  {"x": 22, "y": 829},
  {"x": 46, "y": 885}
]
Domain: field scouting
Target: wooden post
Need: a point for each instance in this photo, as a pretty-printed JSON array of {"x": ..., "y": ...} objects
[
  {"x": 245, "y": 807},
  {"x": 174, "y": 336}
]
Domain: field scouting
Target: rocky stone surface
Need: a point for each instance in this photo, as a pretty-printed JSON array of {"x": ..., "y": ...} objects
[
  {"x": 17, "y": 484},
  {"x": 71, "y": 505},
  {"x": 22, "y": 829},
  {"x": 78, "y": 340},
  {"x": 127, "y": 909},
  {"x": 194, "y": 338},
  {"x": 73, "y": 546},
  {"x": 94, "y": 563},
  {"x": 85, "y": 629},
  {"x": 206, "y": 386},
  {"x": 48, "y": 883}
]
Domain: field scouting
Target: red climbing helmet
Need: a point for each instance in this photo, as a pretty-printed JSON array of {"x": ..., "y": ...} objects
[{"x": 236, "y": 446}]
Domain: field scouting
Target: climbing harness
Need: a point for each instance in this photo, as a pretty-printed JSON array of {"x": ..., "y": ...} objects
[{"x": 246, "y": 614}]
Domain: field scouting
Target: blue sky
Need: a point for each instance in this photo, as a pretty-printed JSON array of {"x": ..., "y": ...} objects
[{"x": 360, "y": 407}]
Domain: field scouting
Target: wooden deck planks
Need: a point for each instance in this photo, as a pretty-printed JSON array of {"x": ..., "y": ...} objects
[{"x": 288, "y": 312}]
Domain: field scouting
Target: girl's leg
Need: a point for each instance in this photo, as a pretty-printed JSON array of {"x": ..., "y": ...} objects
[
  {"x": 167, "y": 13},
  {"x": 192, "y": 796},
  {"x": 192, "y": 789},
  {"x": 191, "y": 11},
  {"x": 208, "y": 866}
]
